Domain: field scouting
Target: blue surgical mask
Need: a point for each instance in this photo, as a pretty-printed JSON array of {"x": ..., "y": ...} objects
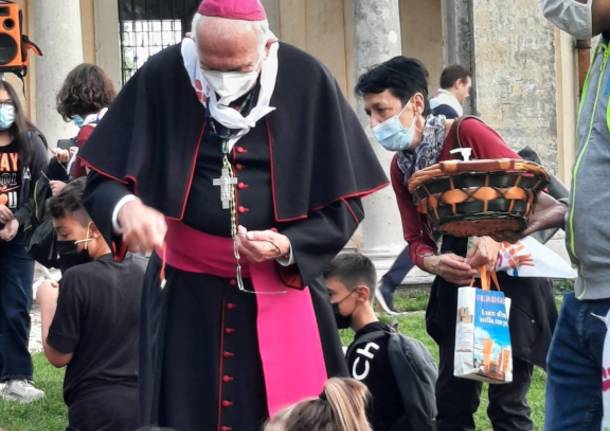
[
  {"x": 392, "y": 135},
  {"x": 78, "y": 121},
  {"x": 7, "y": 116}
]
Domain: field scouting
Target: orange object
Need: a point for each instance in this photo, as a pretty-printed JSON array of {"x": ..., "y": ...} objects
[
  {"x": 477, "y": 197},
  {"x": 14, "y": 45},
  {"x": 487, "y": 349},
  {"x": 486, "y": 278}
]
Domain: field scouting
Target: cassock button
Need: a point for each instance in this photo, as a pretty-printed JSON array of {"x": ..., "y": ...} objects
[
  {"x": 230, "y": 331},
  {"x": 228, "y": 355},
  {"x": 230, "y": 305},
  {"x": 239, "y": 167},
  {"x": 232, "y": 282},
  {"x": 226, "y": 403},
  {"x": 226, "y": 428},
  {"x": 242, "y": 186},
  {"x": 243, "y": 210},
  {"x": 227, "y": 379},
  {"x": 241, "y": 150}
]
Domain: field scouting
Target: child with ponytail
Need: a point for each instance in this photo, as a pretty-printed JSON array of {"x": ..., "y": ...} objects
[{"x": 340, "y": 407}]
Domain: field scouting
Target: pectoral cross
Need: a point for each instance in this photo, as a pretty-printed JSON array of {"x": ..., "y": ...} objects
[{"x": 225, "y": 182}]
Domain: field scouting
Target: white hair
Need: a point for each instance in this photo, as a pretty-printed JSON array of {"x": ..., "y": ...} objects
[{"x": 261, "y": 27}]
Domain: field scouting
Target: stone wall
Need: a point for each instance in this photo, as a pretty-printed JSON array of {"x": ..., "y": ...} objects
[{"x": 514, "y": 48}]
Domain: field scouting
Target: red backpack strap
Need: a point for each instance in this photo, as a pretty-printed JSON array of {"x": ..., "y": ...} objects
[{"x": 457, "y": 125}]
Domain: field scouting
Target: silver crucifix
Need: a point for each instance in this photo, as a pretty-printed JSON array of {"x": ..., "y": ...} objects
[{"x": 225, "y": 182}]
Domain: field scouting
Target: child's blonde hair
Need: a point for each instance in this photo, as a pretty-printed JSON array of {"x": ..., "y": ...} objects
[{"x": 341, "y": 407}]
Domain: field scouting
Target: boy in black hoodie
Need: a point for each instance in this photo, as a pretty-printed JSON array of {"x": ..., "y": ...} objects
[{"x": 351, "y": 280}]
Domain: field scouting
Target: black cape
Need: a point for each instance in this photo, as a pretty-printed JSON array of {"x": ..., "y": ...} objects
[{"x": 319, "y": 152}]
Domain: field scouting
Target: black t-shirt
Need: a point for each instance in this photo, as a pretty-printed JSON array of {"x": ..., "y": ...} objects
[
  {"x": 370, "y": 364},
  {"x": 10, "y": 176},
  {"x": 97, "y": 320}
]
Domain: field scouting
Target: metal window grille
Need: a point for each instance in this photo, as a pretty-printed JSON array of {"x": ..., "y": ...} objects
[{"x": 148, "y": 26}]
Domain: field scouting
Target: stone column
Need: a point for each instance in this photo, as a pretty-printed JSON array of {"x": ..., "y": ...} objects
[
  {"x": 517, "y": 74},
  {"x": 108, "y": 40},
  {"x": 58, "y": 33},
  {"x": 459, "y": 42},
  {"x": 377, "y": 38}
]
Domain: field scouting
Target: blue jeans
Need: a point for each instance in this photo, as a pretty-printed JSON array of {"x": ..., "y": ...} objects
[
  {"x": 574, "y": 363},
  {"x": 16, "y": 274},
  {"x": 399, "y": 270}
]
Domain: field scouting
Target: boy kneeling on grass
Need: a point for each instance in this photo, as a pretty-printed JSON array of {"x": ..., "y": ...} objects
[
  {"x": 90, "y": 320},
  {"x": 398, "y": 371}
]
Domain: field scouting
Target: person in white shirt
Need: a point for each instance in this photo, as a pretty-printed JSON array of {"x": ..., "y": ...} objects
[{"x": 456, "y": 82}]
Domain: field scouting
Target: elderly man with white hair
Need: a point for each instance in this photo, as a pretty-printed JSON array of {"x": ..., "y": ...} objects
[{"x": 237, "y": 161}]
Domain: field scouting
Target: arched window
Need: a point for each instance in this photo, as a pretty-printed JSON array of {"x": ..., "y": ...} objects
[{"x": 148, "y": 26}]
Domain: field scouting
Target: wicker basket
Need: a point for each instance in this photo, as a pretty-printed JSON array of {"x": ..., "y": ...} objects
[{"x": 478, "y": 197}]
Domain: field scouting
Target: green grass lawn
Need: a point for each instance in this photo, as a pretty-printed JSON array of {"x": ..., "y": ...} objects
[{"x": 50, "y": 414}]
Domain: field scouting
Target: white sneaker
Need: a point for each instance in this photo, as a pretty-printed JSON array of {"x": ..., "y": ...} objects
[
  {"x": 382, "y": 303},
  {"x": 21, "y": 391}
]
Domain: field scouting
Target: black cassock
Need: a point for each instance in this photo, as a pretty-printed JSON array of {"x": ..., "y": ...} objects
[{"x": 302, "y": 170}]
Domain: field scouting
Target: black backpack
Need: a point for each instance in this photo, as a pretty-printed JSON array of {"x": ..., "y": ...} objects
[
  {"x": 415, "y": 372},
  {"x": 40, "y": 234}
]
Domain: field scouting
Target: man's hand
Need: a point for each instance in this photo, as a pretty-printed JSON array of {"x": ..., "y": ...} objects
[
  {"x": 549, "y": 214},
  {"x": 261, "y": 246},
  {"x": 9, "y": 231},
  {"x": 62, "y": 156},
  {"x": 47, "y": 293},
  {"x": 484, "y": 252},
  {"x": 451, "y": 267},
  {"x": 6, "y": 214},
  {"x": 143, "y": 227},
  {"x": 56, "y": 187}
]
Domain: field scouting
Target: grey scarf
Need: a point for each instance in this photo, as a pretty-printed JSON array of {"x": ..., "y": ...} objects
[{"x": 428, "y": 150}]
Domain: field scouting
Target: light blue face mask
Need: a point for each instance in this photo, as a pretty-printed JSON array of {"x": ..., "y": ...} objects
[
  {"x": 392, "y": 135},
  {"x": 7, "y": 116},
  {"x": 78, "y": 121}
]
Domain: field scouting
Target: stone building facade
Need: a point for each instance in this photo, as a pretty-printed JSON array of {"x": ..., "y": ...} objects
[{"x": 524, "y": 70}]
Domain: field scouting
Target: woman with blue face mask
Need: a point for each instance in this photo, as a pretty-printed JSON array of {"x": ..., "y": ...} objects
[
  {"x": 395, "y": 95},
  {"x": 22, "y": 159}
]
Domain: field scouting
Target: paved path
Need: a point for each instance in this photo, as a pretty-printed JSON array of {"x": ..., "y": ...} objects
[
  {"x": 35, "y": 332},
  {"x": 35, "y": 339}
]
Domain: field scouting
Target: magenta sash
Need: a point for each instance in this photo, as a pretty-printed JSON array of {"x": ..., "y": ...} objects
[{"x": 288, "y": 334}]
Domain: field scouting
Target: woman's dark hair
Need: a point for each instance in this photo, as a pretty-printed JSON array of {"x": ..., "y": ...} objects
[
  {"x": 86, "y": 90},
  {"x": 22, "y": 127},
  {"x": 402, "y": 76}
]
